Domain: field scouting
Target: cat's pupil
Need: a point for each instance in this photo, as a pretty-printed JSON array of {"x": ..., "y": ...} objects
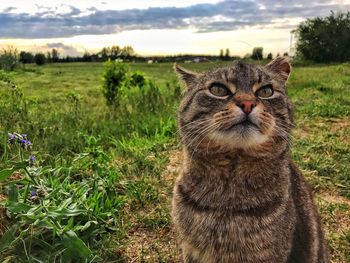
[{"x": 219, "y": 90}]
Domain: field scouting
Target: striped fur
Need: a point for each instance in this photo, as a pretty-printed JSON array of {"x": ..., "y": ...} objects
[{"x": 240, "y": 198}]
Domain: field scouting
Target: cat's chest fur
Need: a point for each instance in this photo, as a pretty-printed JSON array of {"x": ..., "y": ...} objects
[{"x": 226, "y": 206}]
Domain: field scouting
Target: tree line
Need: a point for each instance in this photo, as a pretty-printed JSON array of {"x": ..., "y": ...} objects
[{"x": 53, "y": 56}]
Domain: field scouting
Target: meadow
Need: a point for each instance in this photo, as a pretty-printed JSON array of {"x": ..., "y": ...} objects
[{"x": 99, "y": 188}]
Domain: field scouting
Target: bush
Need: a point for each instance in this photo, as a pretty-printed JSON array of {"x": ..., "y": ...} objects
[
  {"x": 9, "y": 59},
  {"x": 40, "y": 59},
  {"x": 113, "y": 79},
  {"x": 26, "y": 57},
  {"x": 137, "y": 79}
]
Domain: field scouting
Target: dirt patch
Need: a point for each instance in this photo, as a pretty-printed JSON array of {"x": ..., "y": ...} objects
[
  {"x": 335, "y": 198},
  {"x": 339, "y": 123},
  {"x": 335, "y": 215},
  {"x": 147, "y": 245},
  {"x": 334, "y": 125},
  {"x": 153, "y": 244},
  {"x": 173, "y": 168}
]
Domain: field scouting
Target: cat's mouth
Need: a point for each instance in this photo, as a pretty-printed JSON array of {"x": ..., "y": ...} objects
[{"x": 245, "y": 123}]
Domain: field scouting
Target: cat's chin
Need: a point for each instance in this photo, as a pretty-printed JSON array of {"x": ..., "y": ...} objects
[{"x": 239, "y": 139}]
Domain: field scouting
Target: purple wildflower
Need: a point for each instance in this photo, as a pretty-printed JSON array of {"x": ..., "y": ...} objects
[
  {"x": 12, "y": 137},
  {"x": 33, "y": 193},
  {"x": 32, "y": 159},
  {"x": 26, "y": 143},
  {"x": 21, "y": 139}
]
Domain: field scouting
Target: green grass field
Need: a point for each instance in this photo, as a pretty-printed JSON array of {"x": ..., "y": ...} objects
[{"x": 107, "y": 176}]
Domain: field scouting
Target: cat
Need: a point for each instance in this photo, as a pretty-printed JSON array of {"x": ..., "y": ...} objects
[{"x": 240, "y": 198}]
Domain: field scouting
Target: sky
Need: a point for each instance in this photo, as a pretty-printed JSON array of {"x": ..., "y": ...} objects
[{"x": 157, "y": 27}]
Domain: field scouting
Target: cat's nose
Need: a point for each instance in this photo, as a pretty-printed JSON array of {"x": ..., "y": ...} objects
[{"x": 247, "y": 106}]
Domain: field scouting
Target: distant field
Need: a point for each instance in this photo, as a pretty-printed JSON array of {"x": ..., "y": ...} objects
[{"x": 133, "y": 156}]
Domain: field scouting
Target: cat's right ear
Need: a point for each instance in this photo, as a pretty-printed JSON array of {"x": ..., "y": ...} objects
[
  {"x": 280, "y": 66},
  {"x": 189, "y": 77}
]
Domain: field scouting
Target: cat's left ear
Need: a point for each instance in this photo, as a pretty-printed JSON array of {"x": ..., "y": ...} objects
[
  {"x": 189, "y": 77},
  {"x": 281, "y": 67}
]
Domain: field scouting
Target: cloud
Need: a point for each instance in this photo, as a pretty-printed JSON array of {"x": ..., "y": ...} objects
[
  {"x": 9, "y": 9},
  {"x": 63, "y": 49},
  {"x": 67, "y": 20}
]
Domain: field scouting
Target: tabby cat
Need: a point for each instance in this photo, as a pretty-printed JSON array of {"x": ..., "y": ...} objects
[{"x": 240, "y": 198}]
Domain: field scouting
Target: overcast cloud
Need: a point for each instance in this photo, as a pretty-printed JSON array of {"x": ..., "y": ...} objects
[{"x": 67, "y": 20}]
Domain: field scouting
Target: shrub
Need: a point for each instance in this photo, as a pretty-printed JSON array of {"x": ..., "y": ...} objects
[
  {"x": 113, "y": 79},
  {"x": 9, "y": 59},
  {"x": 26, "y": 57},
  {"x": 40, "y": 59},
  {"x": 137, "y": 79}
]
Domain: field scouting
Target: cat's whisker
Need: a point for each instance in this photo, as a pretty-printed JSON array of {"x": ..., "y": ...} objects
[
  {"x": 198, "y": 132},
  {"x": 201, "y": 132},
  {"x": 213, "y": 127},
  {"x": 193, "y": 134},
  {"x": 192, "y": 123},
  {"x": 193, "y": 131}
]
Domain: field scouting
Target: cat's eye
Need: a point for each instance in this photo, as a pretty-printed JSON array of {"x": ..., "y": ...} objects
[
  {"x": 219, "y": 90},
  {"x": 265, "y": 91}
]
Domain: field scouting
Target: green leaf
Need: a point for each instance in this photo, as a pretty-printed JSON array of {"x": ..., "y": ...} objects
[
  {"x": 86, "y": 226},
  {"x": 64, "y": 212},
  {"x": 53, "y": 193},
  {"x": 13, "y": 193},
  {"x": 4, "y": 174},
  {"x": 8, "y": 237},
  {"x": 15, "y": 207},
  {"x": 20, "y": 165},
  {"x": 45, "y": 223},
  {"x": 75, "y": 244}
]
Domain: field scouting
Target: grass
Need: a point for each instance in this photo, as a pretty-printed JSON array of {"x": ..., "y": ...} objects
[{"x": 118, "y": 168}]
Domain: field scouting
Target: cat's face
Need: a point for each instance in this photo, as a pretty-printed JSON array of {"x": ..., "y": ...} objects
[{"x": 242, "y": 106}]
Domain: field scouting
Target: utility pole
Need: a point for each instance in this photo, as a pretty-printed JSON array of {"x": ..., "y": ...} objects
[{"x": 291, "y": 44}]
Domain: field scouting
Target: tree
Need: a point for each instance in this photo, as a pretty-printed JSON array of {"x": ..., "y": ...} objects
[
  {"x": 105, "y": 53},
  {"x": 40, "y": 59},
  {"x": 227, "y": 54},
  {"x": 26, "y": 57},
  {"x": 48, "y": 57},
  {"x": 54, "y": 55},
  {"x": 221, "y": 53},
  {"x": 115, "y": 52},
  {"x": 257, "y": 53},
  {"x": 127, "y": 52},
  {"x": 86, "y": 56},
  {"x": 269, "y": 56},
  {"x": 325, "y": 39}
]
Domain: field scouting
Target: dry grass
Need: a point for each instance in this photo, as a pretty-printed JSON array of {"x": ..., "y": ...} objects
[{"x": 145, "y": 242}]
